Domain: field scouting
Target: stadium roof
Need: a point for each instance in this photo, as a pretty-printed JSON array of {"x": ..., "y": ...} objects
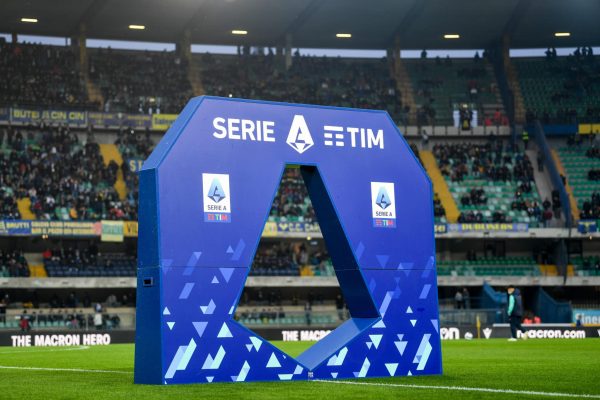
[{"x": 315, "y": 23}]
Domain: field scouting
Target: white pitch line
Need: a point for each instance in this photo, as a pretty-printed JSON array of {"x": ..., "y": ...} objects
[
  {"x": 44, "y": 350},
  {"x": 98, "y": 371},
  {"x": 466, "y": 389}
]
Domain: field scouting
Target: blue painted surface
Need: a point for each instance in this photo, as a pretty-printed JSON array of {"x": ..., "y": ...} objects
[{"x": 387, "y": 273}]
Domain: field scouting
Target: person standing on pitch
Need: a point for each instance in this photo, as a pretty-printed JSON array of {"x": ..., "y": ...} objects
[{"x": 515, "y": 312}]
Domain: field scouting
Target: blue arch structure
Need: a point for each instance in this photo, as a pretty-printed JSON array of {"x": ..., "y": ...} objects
[{"x": 205, "y": 195}]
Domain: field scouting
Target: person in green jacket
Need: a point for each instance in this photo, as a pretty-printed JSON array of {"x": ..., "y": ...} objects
[{"x": 515, "y": 312}]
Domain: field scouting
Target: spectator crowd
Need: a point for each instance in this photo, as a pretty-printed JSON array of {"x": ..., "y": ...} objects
[{"x": 63, "y": 178}]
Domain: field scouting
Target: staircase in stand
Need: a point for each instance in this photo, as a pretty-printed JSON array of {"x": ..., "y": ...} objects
[
  {"x": 404, "y": 87},
  {"x": 513, "y": 82},
  {"x": 110, "y": 152}
]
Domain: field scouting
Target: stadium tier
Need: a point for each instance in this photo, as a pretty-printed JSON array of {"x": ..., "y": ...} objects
[
  {"x": 491, "y": 183},
  {"x": 561, "y": 89},
  {"x": 37, "y": 75},
  {"x": 358, "y": 83},
  {"x": 75, "y": 263},
  {"x": 511, "y": 266},
  {"x": 140, "y": 82},
  {"x": 587, "y": 266},
  {"x": 442, "y": 85},
  {"x": 49, "y": 174},
  {"x": 490, "y": 190},
  {"x": 581, "y": 164}
]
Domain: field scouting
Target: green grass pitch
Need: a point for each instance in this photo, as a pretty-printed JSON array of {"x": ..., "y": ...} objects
[{"x": 566, "y": 368}]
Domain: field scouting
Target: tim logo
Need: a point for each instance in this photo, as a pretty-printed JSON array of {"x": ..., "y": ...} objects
[
  {"x": 383, "y": 204},
  {"x": 299, "y": 137},
  {"x": 216, "y": 198}
]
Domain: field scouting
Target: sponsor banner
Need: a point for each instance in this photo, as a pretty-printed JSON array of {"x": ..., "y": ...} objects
[
  {"x": 130, "y": 228},
  {"x": 43, "y": 338},
  {"x": 486, "y": 227},
  {"x": 298, "y": 227},
  {"x": 106, "y": 229},
  {"x": 135, "y": 164},
  {"x": 588, "y": 316},
  {"x": 216, "y": 198},
  {"x": 589, "y": 129},
  {"x": 270, "y": 229},
  {"x": 107, "y": 120},
  {"x": 545, "y": 331},
  {"x": 50, "y": 338},
  {"x": 65, "y": 228},
  {"x": 117, "y": 120},
  {"x": 15, "y": 228},
  {"x": 273, "y": 229},
  {"x": 302, "y": 335},
  {"x": 441, "y": 228},
  {"x": 112, "y": 231},
  {"x": 27, "y": 116},
  {"x": 162, "y": 122},
  {"x": 137, "y": 121},
  {"x": 497, "y": 331}
]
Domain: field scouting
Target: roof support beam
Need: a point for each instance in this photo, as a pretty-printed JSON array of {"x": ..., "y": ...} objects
[
  {"x": 300, "y": 20},
  {"x": 200, "y": 12},
  {"x": 88, "y": 15},
  {"x": 516, "y": 17},
  {"x": 407, "y": 21}
]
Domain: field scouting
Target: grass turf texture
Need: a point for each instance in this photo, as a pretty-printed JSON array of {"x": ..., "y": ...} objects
[{"x": 566, "y": 366}]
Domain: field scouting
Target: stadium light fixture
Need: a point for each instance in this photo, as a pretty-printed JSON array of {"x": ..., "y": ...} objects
[
  {"x": 239, "y": 32},
  {"x": 29, "y": 20},
  {"x": 562, "y": 34},
  {"x": 137, "y": 27},
  {"x": 451, "y": 36},
  {"x": 343, "y": 35}
]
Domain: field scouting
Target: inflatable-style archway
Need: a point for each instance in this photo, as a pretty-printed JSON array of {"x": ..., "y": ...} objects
[{"x": 205, "y": 195}]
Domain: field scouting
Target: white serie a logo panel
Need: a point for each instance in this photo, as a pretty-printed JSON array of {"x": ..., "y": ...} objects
[
  {"x": 383, "y": 204},
  {"x": 216, "y": 197}
]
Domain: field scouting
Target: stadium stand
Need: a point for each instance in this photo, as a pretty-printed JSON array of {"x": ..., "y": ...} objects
[
  {"x": 88, "y": 263},
  {"x": 491, "y": 266},
  {"x": 291, "y": 201},
  {"x": 140, "y": 82},
  {"x": 57, "y": 173},
  {"x": 62, "y": 178},
  {"x": 360, "y": 83},
  {"x": 586, "y": 266},
  {"x": 561, "y": 89},
  {"x": 13, "y": 264},
  {"x": 291, "y": 259},
  {"x": 582, "y": 164},
  {"x": 290, "y": 315},
  {"x": 36, "y": 75},
  {"x": 441, "y": 85},
  {"x": 490, "y": 183}
]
